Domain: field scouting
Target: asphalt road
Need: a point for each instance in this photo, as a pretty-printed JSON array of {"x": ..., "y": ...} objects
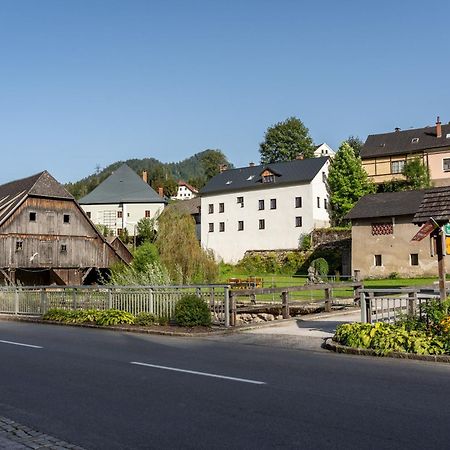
[{"x": 80, "y": 385}]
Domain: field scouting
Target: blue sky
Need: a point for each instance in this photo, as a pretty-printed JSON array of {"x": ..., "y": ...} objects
[{"x": 91, "y": 82}]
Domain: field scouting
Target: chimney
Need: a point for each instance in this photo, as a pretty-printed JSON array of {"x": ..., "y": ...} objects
[
  {"x": 223, "y": 167},
  {"x": 438, "y": 128},
  {"x": 161, "y": 192},
  {"x": 145, "y": 176},
  {"x": 397, "y": 129},
  {"x": 251, "y": 164},
  {"x": 299, "y": 156}
]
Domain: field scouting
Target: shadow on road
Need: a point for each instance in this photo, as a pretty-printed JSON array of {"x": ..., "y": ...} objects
[{"x": 317, "y": 325}]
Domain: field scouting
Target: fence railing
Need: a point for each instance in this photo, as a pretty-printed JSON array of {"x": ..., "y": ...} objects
[
  {"x": 390, "y": 305},
  {"x": 159, "y": 300},
  {"x": 295, "y": 295}
]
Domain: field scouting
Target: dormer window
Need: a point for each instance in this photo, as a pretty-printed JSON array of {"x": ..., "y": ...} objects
[
  {"x": 268, "y": 177},
  {"x": 414, "y": 140}
]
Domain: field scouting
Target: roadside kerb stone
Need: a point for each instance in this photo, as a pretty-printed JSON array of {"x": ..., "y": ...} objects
[
  {"x": 14, "y": 436},
  {"x": 334, "y": 346}
]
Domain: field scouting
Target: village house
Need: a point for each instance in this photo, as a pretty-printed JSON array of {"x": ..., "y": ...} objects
[
  {"x": 265, "y": 207},
  {"x": 46, "y": 238},
  {"x": 382, "y": 229},
  {"x": 324, "y": 150},
  {"x": 185, "y": 191},
  {"x": 384, "y": 155},
  {"x": 122, "y": 200}
]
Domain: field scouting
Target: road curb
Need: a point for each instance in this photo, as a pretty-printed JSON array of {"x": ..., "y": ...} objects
[{"x": 339, "y": 348}]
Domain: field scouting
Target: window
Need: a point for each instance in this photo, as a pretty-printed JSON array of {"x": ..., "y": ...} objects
[
  {"x": 19, "y": 246},
  {"x": 268, "y": 179},
  {"x": 298, "y": 202},
  {"x": 240, "y": 201},
  {"x": 378, "y": 260},
  {"x": 119, "y": 214},
  {"x": 66, "y": 218},
  {"x": 32, "y": 217},
  {"x": 240, "y": 225},
  {"x": 273, "y": 203},
  {"x": 260, "y": 205},
  {"x": 397, "y": 166},
  {"x": 88, "y": 213},
  {"x": 414, "y": 259},
  {"x": 446, "y": 164},
  {"x": 262, "y": 224},
  {"x": 147, "y": 213},
  {"x": 324, "y": 175},
  {"x": 298, "y": 221},
  {"x": 221, "y": 227},
  {"x": 119, "y": 231},
  {"x": 414, "y": 140},
  {"x": 221, "y": 207},
  {"x": 318, "y": 202},
  {"x": 325, "y": 203},
  {"x": 210, "y": 208},
  {"x": 63, "y": 248},
  {"x": 381, "y": 229},
  {"x": 211, "y": 227}
]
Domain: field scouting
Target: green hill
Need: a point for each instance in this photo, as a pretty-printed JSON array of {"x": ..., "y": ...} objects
[{"x": 196, "y": 170}]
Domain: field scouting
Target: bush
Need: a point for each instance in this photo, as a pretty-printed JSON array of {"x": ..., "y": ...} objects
[
  {"x": 145, "y": 254},
  {"x": 305, "y": 242},
  {"x": 192, "y": 311},
  {"x": 385, "y": 338},
  {"x": 145, "y": 319},
  {"x": 321, "y": 266},
  {"x": 114, "y": 317}
]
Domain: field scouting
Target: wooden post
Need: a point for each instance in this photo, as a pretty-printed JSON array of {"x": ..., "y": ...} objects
[
  {"x": 226, "y": 306},
  {"x": 441, "y": 263},
  {"x": 285, "y": 305},
  {"x": 327, "y": 299},
  {"x": 233, "y": 309}
]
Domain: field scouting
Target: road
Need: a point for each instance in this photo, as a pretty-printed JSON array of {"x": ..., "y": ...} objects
[{"x": 84, "y": 386}]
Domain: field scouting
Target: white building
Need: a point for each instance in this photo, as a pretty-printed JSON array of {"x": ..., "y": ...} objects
[
  {"x": 267, "y": 207},
  {"x": 324, "y": 150},
  {"x": 122, "y": 200},
  {"x": 185, "y": 191}
]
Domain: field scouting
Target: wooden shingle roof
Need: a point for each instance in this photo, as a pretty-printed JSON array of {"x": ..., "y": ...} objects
[
  {"x": 42, "y": 184},
  {"x": 435, "y": 204}
]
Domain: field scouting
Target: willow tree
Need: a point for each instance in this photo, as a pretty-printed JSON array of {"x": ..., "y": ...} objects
[{"x": 180, "y": 251}]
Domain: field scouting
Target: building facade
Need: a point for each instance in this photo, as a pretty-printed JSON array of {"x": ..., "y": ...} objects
[
  {"x": 45, "y": 237},
  {"x": 185, "y": 191},
  {"x": 121, "y": 201},
  {"x": 384, "y": 155},
  {"x": 266, "y": 207},
  {"x": 382, "y": 229}
]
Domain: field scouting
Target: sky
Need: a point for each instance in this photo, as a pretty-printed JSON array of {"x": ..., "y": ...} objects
[{"x": 90, "y": 82}]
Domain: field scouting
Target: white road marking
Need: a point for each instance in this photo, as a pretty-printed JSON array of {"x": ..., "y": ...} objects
[
  {"x": 194, "y": 372},
  {"x": 19, "y": 343}
]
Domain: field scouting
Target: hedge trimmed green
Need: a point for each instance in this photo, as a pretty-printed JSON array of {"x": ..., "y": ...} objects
[
  {"x": 106, "y": 317},
  {"x": 192, "y": 311}
]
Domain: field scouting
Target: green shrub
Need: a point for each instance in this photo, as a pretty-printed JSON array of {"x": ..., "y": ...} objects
[
  {"x": 305, "y": 242},
  {"x": 114, "y": 317},
  {"x": 385, "y": 338},
  {"x": 145, "y": 319},
  {"x": 191, "y": 311},
  {"x": 321, "y": 266},
  {"x": 393, "y": 276},
  {"x": 145, "y": 254}
]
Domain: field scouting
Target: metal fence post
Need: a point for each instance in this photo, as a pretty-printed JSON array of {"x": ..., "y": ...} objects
[
  {"x": 74, "y": 298},
  {"x": 362, "y": 299},
  {"x": 285, "y": 305},
  {"x": 16, "y": 301},
  {"x": 233, "y": 309},
  {"x": 227, "y": 306},
  {"x": 412, "y": 301},
  {"x": 110, "y": 298}
]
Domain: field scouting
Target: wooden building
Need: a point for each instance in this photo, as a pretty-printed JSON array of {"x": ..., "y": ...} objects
[{"x": 46, "y": 238}]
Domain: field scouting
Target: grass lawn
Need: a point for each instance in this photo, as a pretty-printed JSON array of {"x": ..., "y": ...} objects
[{"x": 277, "y": 280}]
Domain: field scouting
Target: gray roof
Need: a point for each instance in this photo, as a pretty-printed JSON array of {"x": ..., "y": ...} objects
[
  {"x": 401, "y": 142},
  {"x": 387, "y": 204},
  {"x": 298, "y": 171},
  {"x": 42, "y": 184},
  {"x": 435, "y": 204},
  {"x": 122, "y": 186}
]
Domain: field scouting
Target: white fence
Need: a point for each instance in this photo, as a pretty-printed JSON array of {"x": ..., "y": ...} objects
[
  {"x": 390, "y": 305},
  {"x": 159, "y": 300}
]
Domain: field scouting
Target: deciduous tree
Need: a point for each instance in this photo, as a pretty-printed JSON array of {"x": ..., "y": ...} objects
[{"x": 286, "y": 141}]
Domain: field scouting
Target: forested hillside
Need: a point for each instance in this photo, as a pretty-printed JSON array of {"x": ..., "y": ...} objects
[{"x": 196, "y": 170}]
